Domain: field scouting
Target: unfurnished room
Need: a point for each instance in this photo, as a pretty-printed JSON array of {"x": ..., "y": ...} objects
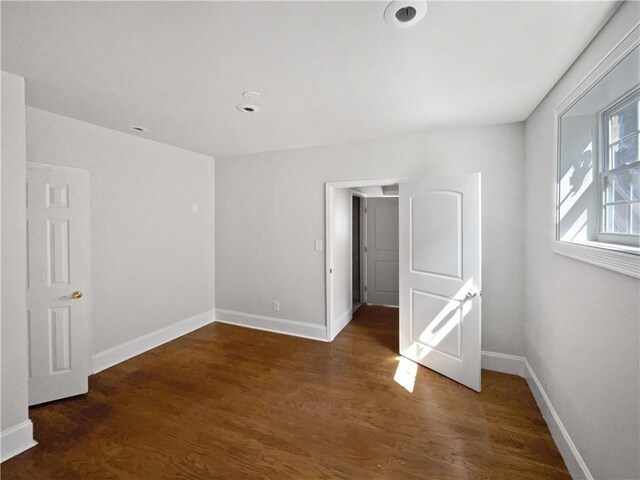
[{"x": 304, "y": 240}]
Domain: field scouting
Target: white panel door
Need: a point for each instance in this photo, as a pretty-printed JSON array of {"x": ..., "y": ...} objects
[
  {"x": 57, "y": 282},
  {"x": 440, "y": 284},
  {"x": 382, "y": 251}
]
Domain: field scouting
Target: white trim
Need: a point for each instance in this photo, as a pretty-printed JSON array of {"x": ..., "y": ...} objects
[
  {"x": 329, "y": 186},
  {"x": 621, "y": 262},
  {"x": 16, "y": 439},
  {"x": 338, "y": 329},
  {"x": 501, "y": 362},
  {"x": 328, "y": 208},
  {"x": 272, "y": 324},
  {"x": 617, "y": 53},
  {"x": 50, "y": 166},
  {"x": 382, "y": 305},
  {"x": 520, "y": 366},
  {"x": 343, "y": 321},
  {"x": 112, "y": 356},
  {"x": 595, "y": 254},
  {"x": 570, "y": 454},
  {"x": 364, "y": 209},
  {"x": 383, "y": 182}
]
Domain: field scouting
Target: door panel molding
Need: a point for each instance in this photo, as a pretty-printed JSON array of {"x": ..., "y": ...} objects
[
  {"x": 459, "y": 267},
  {"x": 383, "y": 236},
  {"x": 450, "y": 307},
  {"x": 59, "y": 251}
]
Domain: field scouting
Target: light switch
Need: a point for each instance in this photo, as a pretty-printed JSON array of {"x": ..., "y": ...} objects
[
  {"x": 318, "y": 245},
  {"x": 194, "y": 208}
]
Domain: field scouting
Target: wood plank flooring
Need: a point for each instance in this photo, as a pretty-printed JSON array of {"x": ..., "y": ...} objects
[{"x": 228, "y": 402}]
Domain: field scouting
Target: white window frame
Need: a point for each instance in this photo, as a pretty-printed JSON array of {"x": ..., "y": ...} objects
[
  {"x": 619, "y": 258},
  {"x": 628, "y": 239}
]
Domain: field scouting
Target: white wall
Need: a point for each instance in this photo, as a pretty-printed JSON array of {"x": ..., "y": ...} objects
[
  {"x": 270, "y": 210},
  {"x": 341, "y": 232},
  {"x": 13, "y": 257},
  {"x": 582, "y": 321},
  {"x": 152, "y": 259}
]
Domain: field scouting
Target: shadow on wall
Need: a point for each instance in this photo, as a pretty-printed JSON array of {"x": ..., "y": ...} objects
[{"x": 576, "y": 207}]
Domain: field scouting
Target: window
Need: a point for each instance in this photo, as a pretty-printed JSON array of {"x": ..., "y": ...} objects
[
  {"x": 598, "y": 182},
  {"x": 620, "y": 172}
]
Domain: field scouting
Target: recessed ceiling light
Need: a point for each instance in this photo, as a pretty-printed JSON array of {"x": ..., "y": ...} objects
[
  {"x": 138, "y": 128},
  {"x": 405, "y": 13},
  {"x": 251, "y": 95},
  {"x": 247, "y": 108}
]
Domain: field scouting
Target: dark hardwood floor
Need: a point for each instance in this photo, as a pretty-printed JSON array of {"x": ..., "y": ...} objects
[{"x": 229, "y": 402}]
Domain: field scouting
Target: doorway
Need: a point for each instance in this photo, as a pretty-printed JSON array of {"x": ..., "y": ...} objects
[
  {"x": 362, "y": 260},
  {"x": 357, "y": 295},
  {"x": 374, "y": 246},
  {"x": 437, "y": 263}
]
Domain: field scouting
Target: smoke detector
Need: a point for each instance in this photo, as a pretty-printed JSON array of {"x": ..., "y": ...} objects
[
  {"x": 251, "y": 95},
  {"x": 405, "y": 13},
  {"x": 250, "y": 107}
]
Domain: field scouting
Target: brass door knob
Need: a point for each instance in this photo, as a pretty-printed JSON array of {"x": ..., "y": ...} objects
[{"x": 76, "y": 295}]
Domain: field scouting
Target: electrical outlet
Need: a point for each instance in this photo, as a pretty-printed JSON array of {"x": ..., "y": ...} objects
[{"x": 276, "y": 306}]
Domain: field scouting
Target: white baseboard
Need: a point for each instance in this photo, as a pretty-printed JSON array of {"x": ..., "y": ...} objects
[
  {"x": 382, "y": 305},
  {"x": 501, "y": 362},
  {"x": 342, "y": 322},
  {"x": 515, "y": 365},
  {"x": 271, "y": 324},
  {"x": 120, "y": 353},
  {"x": 572, "y": 458},
  {"x": 16, "y": 439}
]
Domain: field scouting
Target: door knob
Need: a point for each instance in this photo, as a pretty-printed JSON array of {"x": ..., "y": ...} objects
[{"x": 76, "y": 295}]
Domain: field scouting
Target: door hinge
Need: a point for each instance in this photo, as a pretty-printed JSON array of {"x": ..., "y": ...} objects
[
  {"x": 365, "y": 288},
  {"x": 365, "y": 249}
]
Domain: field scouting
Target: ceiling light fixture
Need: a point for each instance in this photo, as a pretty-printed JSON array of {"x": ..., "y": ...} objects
[
  {"x": 247, "y": 108},
  {"x": 405, "y": 13},
  {"x": 138, "y": 128}
]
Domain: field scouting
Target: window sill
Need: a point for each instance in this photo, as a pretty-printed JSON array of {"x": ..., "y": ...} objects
[{"x": 621, "y": 259}]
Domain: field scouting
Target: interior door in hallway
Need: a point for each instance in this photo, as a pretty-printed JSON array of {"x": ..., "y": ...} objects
[
  {"x": 57, "y": 282},
  {"x": 440, "y": 275},
  {"x": 382, "y": 251}
]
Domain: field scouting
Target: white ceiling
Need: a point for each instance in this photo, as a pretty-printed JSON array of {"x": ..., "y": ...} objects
[{"x": 328, "y": 72}]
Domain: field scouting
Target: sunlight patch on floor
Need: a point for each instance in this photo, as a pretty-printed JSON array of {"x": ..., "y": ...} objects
[{"x": 406, "y": 373}]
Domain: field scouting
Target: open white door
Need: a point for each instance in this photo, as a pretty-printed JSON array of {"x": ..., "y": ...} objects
[
  {"x": 57, "y": 282},
  {"x": 440, "y": 284}
]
